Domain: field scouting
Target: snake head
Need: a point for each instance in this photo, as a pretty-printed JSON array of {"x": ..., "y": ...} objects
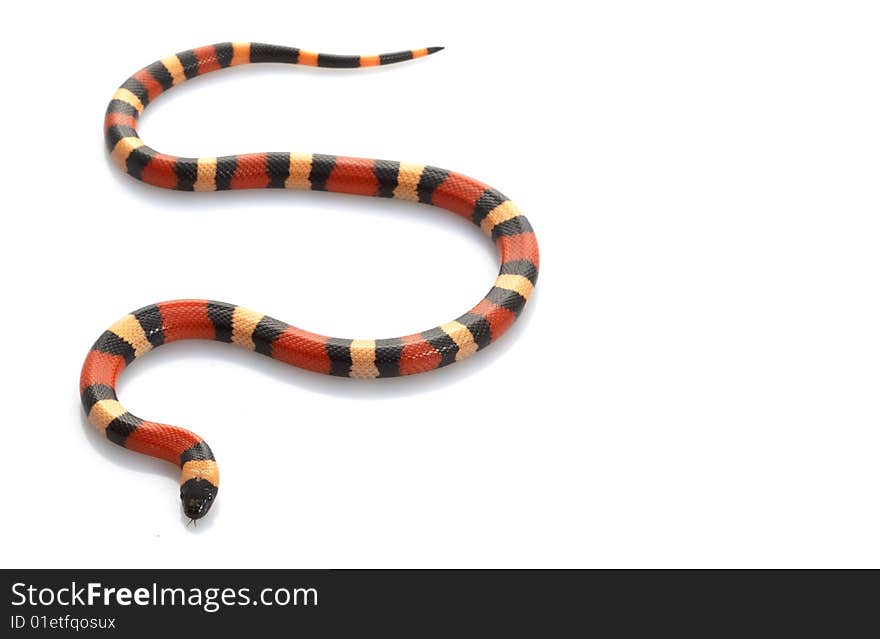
[{"x": 197, "y": 495}]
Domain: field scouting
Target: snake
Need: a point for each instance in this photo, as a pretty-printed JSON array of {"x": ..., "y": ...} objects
[{"x": 147, "y": 328}]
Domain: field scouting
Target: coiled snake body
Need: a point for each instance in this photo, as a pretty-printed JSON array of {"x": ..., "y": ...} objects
[{"x": 143, "y": 330}]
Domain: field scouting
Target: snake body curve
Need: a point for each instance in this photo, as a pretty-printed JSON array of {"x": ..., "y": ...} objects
[{"x": 151, "y": 326}]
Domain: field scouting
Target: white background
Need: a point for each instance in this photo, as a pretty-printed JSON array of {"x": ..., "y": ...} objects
[{"x": 694, "y": 383}]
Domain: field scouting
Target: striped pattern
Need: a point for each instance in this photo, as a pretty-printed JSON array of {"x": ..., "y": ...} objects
[{"x": 157, "y": 324}]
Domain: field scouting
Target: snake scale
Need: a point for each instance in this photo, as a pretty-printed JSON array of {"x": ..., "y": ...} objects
[{"x": 151, "y": 326}]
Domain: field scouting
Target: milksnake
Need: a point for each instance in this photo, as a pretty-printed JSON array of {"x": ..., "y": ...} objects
[{"x": 151, "y": 326}]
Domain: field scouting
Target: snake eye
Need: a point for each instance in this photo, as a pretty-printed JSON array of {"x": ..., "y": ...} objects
[{"x": 196, "y": 496}]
